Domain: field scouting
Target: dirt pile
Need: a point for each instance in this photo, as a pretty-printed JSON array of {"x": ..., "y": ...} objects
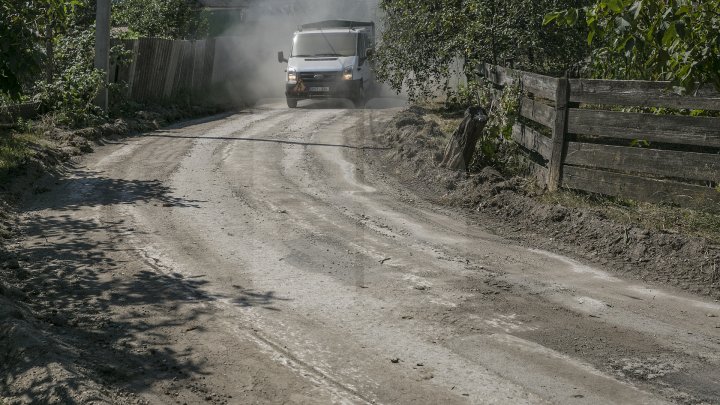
[{"x": 417, "y": 142}]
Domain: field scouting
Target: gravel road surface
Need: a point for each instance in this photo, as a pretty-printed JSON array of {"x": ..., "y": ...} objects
[{"x": 261, "y": 257}]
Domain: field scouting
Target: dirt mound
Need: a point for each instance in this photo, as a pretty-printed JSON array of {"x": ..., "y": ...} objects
[{"x": 416, "y": 142}]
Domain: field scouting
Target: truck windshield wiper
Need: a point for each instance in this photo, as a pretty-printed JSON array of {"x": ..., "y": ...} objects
[
  {"x": 332, "y": 48},
  {"x": 327, "y": 54}
]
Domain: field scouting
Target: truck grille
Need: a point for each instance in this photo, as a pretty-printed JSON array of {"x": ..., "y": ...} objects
[{"x": 318, "y": 77}]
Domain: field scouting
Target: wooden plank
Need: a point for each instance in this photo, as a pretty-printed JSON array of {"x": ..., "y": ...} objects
[
  {"x": 542, "y": 86},
  {"x": 538, "y": 112},
  {"x": 171, "y": 69},
  {"x": 209, "y": 60},
  {"x": 162, "y": 63},
  {"x": 532, "y": 140},
  {"x": 641, "y": 93},
  {"x": 680, "y": 165},
  {"x": 675, "y": 129},
  {"x": 641, "y": 189},
  {"x": 132, "y": 70},
  {"x": 198, "y": 64},
  {"x": 143, "y": 69},
  {"x": 559, "y": 127},
  {"x": 184, "y": 76},
  {"x": 538, "y": 172}
]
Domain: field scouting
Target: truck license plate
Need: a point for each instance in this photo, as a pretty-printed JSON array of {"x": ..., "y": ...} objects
[{"x": 319, "y": 89}]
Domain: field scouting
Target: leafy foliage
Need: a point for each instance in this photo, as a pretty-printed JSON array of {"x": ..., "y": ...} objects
[
  {"x": 22, "y": 28},
  {"x": 674, "y": 40},
  {"x": 496, "y": 147},
  {"x": 421, "y": 39},
  {"x": 72, "y": 92},
  {"x": 172, "y": 19}
]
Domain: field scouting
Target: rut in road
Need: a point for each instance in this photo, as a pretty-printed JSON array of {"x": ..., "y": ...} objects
[{"x": 316, "y": 277}]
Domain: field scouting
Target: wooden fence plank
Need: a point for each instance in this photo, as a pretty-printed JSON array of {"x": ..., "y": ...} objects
[
  {"x": 132, "y": 69},
  {"x": 172, "y": 69},
  {"x": 559, "y": 127},
  {"x": 532, "y": 140},
  {"x": 542, "y": 86},
  {"x": 641, "y": 189},
  {"x": 680, "y": 165},
  {"x": 538, "y": 112},
  {"x": 702, "y": 131},
  {"x": 209, "y": 60},
  {"x": 184, "y": 81},
  {"x": 641, "y": 93},
  {"x": 146, "y": 69},
  {"x": 198, "y": 65}
]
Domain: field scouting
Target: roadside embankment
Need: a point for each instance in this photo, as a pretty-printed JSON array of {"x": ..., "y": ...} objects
[{"x": 649, "y": 242}]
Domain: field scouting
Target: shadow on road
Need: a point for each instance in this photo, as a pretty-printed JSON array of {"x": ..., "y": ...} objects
[
  {"x": 96, "y": 309},
  {"x": 91, "y": 189}
]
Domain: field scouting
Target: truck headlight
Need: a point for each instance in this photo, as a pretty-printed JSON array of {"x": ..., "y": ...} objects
[
  {"x": 348, "y": 73},
  {"x": 292, "y": 75}
]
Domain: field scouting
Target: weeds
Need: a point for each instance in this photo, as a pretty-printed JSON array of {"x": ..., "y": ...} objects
[
  {"x": 16, "y": 150},
  {"x": 659, "y": 217}
]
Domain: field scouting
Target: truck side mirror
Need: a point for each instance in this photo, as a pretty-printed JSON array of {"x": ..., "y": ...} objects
[
  {"x": 281, "y": 57},
  {"x": 369, "y": 52}
]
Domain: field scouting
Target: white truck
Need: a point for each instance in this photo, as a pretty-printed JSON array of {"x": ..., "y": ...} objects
[{"x": 329, "y": 59}]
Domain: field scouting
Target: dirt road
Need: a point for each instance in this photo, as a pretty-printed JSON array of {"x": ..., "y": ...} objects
[{"x": 261, "y": 258}]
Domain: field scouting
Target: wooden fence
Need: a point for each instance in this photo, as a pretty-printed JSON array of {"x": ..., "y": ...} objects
[
  {"x": 162, "y": 69},
  {"x": 591, "y": 146}
]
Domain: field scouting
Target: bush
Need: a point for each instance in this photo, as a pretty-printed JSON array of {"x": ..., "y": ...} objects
[
  {"x": 172, "y": 19},
  {"x": 674, "y": 40},
  {"x": 71, "y": 94},
  {"x": 422, "y": 38}
]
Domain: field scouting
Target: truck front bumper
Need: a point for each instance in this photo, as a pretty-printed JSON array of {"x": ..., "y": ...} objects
[{"x": 351, "y": 89}]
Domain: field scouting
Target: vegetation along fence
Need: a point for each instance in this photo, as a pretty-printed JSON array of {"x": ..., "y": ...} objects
[
  {"x": 584, "y": 138},
  {"x": 10, "y": 114}
]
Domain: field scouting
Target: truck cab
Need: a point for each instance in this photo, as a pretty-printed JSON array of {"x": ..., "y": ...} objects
[{"x": 329, "y": 59}]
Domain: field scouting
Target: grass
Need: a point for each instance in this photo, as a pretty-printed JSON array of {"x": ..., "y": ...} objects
[
  {"x": 448, "y": 120},
  {"x": 16, "y": 150},
  {"x": 646, "y": 215}
]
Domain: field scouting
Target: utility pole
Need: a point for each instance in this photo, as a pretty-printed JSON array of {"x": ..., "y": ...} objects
[{"x": 102, "y": 49}]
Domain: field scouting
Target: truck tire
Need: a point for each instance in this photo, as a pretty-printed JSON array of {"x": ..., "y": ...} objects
[
  {"x": 360, "y": 98},
  {"x": 292, "y": 102}
]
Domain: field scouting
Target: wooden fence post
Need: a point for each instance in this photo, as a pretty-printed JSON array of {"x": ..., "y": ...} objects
[{"x": 562, "y": 99}]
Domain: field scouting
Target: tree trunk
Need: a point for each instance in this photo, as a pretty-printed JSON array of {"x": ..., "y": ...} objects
[
  {"x": 461, "y": 148},
  {"x": 50, "y": 53}
]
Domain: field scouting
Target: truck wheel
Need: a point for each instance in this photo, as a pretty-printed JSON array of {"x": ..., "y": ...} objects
[
  {"x": 292, "y": 102},
  {"x": 359, "y": 102},
  {"x": 360, "y": 98}
]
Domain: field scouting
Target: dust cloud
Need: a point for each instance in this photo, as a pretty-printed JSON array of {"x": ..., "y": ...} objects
[{"x": 250, "y": 46}]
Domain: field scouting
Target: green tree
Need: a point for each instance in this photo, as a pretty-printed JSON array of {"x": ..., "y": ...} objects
[
  {"x": 23, "y": 25},
  {"x": 421, "y": 38},
  {"x": 172, "y": 19},
  {"x": 674, "y": 40}
]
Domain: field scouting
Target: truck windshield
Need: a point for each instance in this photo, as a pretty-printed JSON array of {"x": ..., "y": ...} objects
[{"x": 327, "y": 44}]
